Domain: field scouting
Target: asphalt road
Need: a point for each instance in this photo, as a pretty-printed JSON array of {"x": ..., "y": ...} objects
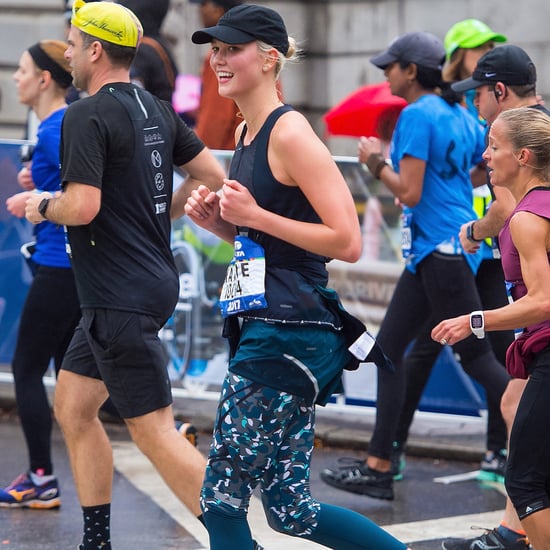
[{"x": 146, "y": 515}]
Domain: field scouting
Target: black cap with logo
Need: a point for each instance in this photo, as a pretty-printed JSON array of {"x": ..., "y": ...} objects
[{"x": 508, "y": 64}]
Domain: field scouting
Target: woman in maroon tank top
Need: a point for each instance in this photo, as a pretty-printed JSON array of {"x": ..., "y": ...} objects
[{"x": 518, "y": 156}]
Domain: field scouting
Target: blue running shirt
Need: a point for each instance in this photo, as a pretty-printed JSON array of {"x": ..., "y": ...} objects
[{"x": 450, "y": 141}]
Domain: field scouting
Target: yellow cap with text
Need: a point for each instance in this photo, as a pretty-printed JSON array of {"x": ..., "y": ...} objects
[{"x": 107, "y": 21}]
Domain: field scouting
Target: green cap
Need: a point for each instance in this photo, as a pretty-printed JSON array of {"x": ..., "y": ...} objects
[{"x": 468, "y": 34}]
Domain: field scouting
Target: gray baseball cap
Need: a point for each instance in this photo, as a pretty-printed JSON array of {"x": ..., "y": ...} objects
[{"x": 421, "y": 48}]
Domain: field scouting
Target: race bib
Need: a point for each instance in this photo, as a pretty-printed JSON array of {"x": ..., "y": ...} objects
[
  {"x": 406, "y": 234},
  {"x": 244, "y": 285}
]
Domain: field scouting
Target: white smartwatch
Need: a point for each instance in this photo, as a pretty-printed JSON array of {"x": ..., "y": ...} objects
[{"x": 477, "y": 324}]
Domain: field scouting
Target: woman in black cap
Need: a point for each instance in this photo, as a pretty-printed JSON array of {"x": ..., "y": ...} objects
[
  {"x": 217, "y": 116},
  {"x": 51, "y": 310},
  {"x": 288, "y": 210}
]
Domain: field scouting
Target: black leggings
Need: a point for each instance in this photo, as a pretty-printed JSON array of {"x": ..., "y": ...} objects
[
  {"x": 50, "y": 314},
  {"x": 443, "y": 287},
  {"x": 528, "y": 465},
  {"x": 419, "y": 361}
]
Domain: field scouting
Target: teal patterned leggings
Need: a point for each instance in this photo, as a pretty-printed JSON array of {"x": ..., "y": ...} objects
[{"x": 262, "y": 436}]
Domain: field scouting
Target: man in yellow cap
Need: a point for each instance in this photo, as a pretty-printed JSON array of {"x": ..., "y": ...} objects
[
  {"x": 107, "y": 22},
  {"x": 118, "y": 148}
]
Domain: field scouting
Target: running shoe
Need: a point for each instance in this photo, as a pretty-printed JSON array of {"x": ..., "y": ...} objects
[
  {"x": 23, "y": 493},
  {"x": 188, "y": 431},
  {"x": 493, "y": 466},
  {"x": 491, "y": 540},
  {"x": 354, "y": 476}
]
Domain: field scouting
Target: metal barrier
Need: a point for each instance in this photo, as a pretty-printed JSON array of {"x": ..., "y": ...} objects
[{"x": 196, "y": 353}]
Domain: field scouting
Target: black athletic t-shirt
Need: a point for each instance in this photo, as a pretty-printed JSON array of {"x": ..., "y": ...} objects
[{"x": 125, "y": 141}]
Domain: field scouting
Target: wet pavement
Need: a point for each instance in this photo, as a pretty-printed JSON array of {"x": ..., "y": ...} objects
[{"x": 146, "y": 515}]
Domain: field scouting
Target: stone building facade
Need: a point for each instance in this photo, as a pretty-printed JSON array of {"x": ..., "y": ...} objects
[{"x": 338, "y": 38}]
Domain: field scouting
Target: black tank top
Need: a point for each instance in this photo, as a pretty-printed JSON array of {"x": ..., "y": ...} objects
[{"x": 291, "y": 272}]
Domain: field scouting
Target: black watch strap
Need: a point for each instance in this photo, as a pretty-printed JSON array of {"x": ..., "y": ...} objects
[
  {"x": 470, "y": 233},
  {"x": 43, "y": 206}
]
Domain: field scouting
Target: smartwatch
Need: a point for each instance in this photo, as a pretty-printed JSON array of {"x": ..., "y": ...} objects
[
  {"x": 43, "y": 206},
  {"x": 477, "y": 324}
]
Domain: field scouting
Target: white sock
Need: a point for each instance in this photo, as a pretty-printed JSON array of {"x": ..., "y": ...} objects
[{"x": 40, "y": 480}]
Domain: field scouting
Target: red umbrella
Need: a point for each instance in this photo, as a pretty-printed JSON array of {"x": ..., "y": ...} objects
[{"x": 371, "y": 110}]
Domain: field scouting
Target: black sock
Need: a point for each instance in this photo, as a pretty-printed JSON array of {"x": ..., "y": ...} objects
[{"x": 97, "y": 533}]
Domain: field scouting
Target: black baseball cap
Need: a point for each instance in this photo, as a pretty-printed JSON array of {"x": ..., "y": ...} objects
[
  {"x": 246, "y": 23},
  {"x": 421, "y": 48},
  {"x": 508, "y": 64}
]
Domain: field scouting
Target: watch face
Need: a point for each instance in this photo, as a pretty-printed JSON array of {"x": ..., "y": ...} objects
[{"x": 476, "y": 321}]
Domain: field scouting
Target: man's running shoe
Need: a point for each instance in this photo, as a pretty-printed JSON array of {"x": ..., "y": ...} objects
[
  {"x": 188, "y": 431},
  {"x": 354, "y": 476},
  {"x": 397, "y": 461},
  {"x": 23, "y": 493},
  {"x": 491, "y": 540},
  {"x": 493, "y": 466}
]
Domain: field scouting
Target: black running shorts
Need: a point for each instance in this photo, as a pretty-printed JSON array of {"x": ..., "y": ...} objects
[{"x": 124, "y": 351}]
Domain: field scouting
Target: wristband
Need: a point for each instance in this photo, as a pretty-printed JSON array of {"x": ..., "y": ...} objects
[
  {"x": 43, "y": 206},
  {"x": 375, "y": 164},
  {"x": 470, "y": 233}
]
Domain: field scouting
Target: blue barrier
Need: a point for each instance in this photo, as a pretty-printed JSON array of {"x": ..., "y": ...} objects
[
  {"x": 365, "y": 287},
  {"x": 14, "y": 274}
]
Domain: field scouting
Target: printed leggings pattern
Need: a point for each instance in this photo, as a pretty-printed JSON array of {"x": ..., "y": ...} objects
[{"x": 262, "y": 436}]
